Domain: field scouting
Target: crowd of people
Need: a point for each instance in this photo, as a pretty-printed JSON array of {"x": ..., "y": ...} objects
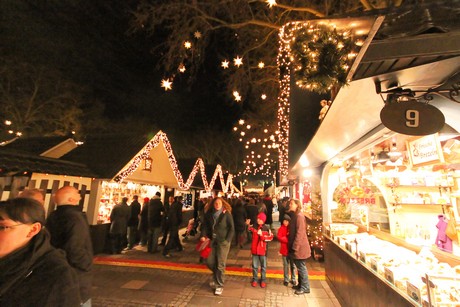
[
  {"x": 250, "y": 220},
  {"x": 60, "y": 247}
]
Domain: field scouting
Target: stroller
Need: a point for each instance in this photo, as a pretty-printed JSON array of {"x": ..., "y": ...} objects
[{"x": 191, "y": 229}]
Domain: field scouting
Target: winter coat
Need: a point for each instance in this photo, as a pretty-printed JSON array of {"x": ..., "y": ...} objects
[
  {"x": 283, "y": 234},
  {"x": 69, "y": 231},
  {"x": 239, "y": 218},
  {"x": 269, "y": 205},
  {"x": 144, "y": 220},
  {"x": 119, "y": 218},
  {"x": 135, "y": 211},
  {"x": 220, "y": 231},
  {"x": 298, "y": 245},
  {"x": 38, "y": 275},
  {"x": 155, "y": 212},
  {"x": 259, "y": 242},
  {"x": 175, "y": 214}
]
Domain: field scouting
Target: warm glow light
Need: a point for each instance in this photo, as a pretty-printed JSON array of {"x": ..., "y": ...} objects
[
  {"x": 166, "y": 84},
  {"x": 182, "y": 68},
  {"x": 197, "y": 34},
  {"x": 261, "y": 65},
  {"x": 238, "y": 61},
  {"x": 241, "y": 122},
  {"x": 8, "y": 122},
  {"x": 237, "y": 96},
  {"x": 187, "y": 45},
  {"x": 225, "y": 64},
  {"x": 271, "y": 3},
  {"x": 263, "y": 96}
]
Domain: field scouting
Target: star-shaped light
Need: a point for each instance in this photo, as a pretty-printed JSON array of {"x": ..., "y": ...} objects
[
  {"x": 238, "y": 61},
  {"x": 261, "y": 65},
  {"x": 241, "y": 121},
  {"x": 225, "y": 64},
  {"x": 181, "y": 68},
  {"x": 263, "y": 96},
  {"x": 187, "y": 45},
  {"x": 237, "y": 96},
  {"x": 271, "y": 3},
  {"x": 197, "y": 34},
  {"x": 167, "y": 84}
]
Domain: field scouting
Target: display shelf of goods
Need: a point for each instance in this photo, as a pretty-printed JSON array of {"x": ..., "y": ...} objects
[{"x": 406, "y": 270}]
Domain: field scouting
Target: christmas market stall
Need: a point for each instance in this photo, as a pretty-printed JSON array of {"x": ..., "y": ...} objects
[
  {"x": 387, "y": 151},
  {"x": 120, "y": 165}
]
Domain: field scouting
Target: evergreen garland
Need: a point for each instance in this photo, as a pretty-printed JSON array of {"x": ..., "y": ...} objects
[{"x": 321, "y": 57}]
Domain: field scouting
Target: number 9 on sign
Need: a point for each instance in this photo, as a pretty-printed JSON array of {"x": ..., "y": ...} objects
[{"x": 412, "y": 118}]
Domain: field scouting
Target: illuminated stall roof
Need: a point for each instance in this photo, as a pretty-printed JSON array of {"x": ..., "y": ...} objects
[{"x": 416, "y": 47}]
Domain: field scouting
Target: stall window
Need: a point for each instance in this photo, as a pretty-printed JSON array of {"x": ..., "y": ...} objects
[{"x": 360, "y": 201}]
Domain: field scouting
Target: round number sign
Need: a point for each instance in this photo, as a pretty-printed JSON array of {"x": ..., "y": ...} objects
[{"x": 412, "y": 118}]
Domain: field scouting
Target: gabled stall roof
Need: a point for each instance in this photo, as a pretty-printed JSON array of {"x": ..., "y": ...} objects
[{"x": 13, "y": 162}]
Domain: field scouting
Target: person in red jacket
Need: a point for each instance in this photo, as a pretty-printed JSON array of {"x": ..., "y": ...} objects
[
  {"x": 288, "y": 264},
  {"x": 261, "y": 234}
]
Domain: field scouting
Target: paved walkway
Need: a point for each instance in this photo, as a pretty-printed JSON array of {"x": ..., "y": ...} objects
[{"x": 138, "y": 278}]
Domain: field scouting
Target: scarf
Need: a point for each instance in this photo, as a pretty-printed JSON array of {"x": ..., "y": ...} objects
[{"x": 17, "y": 266}]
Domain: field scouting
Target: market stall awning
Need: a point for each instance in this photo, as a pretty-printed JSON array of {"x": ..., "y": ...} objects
[{"x": 355, "y": 111}]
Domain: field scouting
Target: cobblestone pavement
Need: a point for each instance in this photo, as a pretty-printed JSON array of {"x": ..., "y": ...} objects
[
  {"x": 135, "y": 286},
  {"x": 138, "y": 278}
]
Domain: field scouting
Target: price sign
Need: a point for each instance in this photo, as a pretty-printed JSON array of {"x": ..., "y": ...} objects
[{"x": 412, "y": 118}]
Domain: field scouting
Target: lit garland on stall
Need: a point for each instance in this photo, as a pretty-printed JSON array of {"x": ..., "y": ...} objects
[
  {"x": 319, "y": 56},
  {"x": 199, "y": 166}
]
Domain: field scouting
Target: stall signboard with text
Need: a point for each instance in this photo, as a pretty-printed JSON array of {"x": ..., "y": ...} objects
[
  {"x": 425, "y": 150},
  {"x": 412, "y": 118}
]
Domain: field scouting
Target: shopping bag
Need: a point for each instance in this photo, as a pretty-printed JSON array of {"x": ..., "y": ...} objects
[{"x": 204, "y": 248}]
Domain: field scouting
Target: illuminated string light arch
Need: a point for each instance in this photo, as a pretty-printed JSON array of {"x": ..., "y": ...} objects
[{"x": 199, "y": 166}]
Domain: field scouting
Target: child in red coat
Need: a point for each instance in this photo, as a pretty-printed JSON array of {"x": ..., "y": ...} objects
[
  {"x": 283, "y": 234},
  {"x": 261, "y": 234}
]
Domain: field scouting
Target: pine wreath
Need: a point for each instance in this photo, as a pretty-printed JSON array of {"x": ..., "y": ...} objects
[{"x": 321, "y": 57}]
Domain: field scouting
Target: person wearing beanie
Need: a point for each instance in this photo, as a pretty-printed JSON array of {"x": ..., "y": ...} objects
[
  {"x": 261, "y": 234},
  {"x": 288, "y": 264}
]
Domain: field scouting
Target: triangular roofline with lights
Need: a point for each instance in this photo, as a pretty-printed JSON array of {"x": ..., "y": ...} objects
[{"x": 199, "y": 166}]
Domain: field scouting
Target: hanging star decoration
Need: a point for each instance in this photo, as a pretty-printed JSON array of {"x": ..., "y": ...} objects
[
  {"x": 197, "y": 34},
  {"x": 166, "y": 84},
  {"x": 225, "y": 64},
  {"x": 187, "y": 45},
  {"x": 238, "y": 61},
  {"x": 261, "y": 65},
  {"x": 263, "y": 96},
  {"x": 181, "y": 68},
  {"x": 271, "y": 3},
  {"x": 237, "y": 96}
]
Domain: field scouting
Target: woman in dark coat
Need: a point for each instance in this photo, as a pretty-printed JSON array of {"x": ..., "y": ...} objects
[
  {"x": 32, "y": 272},
  {"x": 218, "y": 227},
  {"x": 239, "y": 220},
  {"x": 298, "y": 245}
]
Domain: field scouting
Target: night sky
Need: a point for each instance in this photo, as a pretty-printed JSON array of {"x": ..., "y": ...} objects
[{"x": 87, "y": 42}]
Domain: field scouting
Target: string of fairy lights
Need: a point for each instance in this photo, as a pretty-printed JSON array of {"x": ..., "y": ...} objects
[
  {"x": 160, "y": 137},
  {"x": 319, "y": 56},
  {"x": 260, "y": 148}
]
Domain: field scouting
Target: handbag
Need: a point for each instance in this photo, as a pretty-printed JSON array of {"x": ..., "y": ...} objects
[
  {"x": 204, "y": 248},
  {"x": 451, "y": 230}
]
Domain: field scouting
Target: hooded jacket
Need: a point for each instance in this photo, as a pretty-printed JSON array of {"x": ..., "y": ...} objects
[{"x": 259, "y": 242}]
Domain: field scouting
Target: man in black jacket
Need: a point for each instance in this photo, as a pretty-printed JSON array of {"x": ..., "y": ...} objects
[
  {"x": 155, "y": 213},
  {"x": 133, "y": 222},
  {"x": 174, "y": 221},
  {"x": 69, "y": 231}
]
